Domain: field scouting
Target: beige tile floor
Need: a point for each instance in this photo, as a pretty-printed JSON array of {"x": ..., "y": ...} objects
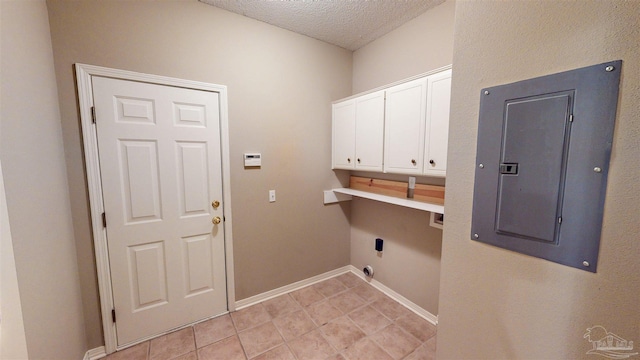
[{"x": 340, "y": 318}]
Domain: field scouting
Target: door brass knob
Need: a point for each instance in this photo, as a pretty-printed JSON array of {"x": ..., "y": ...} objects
[
  {"x": 216, "y": 220},
  {"x": 215, "y": 204}
]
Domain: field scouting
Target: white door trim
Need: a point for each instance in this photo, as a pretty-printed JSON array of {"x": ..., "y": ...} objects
[{"x": 85, "y": 99}]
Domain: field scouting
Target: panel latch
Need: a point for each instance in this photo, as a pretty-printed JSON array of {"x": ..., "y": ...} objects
[{"x": 509, "y": 169}]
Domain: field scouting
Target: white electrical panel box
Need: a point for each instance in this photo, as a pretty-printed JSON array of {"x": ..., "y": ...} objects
[{"x": 252, "y": 159}]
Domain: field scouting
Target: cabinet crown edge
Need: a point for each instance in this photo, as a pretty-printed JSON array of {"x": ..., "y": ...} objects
[{"x": 383, "y": 87}]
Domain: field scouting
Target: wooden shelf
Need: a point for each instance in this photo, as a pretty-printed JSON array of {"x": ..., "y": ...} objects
[{"x": 336, "y": 195}]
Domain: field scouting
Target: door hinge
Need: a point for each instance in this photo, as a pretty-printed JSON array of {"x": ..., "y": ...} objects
[
  {"x": 104, "y": 220},
  {"x": 93, "y": 114},
  {"x": 113, "y": 315}
]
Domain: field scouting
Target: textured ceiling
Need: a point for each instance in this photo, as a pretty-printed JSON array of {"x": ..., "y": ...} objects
[{"x": 350, "y": 24}]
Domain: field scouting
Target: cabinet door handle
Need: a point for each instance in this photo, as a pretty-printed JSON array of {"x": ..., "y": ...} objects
[
  {"x": 432, "y": 162},
  {"x": 358, "y": 160},
  {"x": 349, "y": 160},
  {"x": 413, "y": 161}
]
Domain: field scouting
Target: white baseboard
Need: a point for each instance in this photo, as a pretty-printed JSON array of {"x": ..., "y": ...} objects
[
  {"x": 318, "y": 278},
  {"x": 397, "y": 297},
  {"x": 94, "y": 354},
  {"x": 100, "y": 352},
  {"x": 240, "y": 304}
]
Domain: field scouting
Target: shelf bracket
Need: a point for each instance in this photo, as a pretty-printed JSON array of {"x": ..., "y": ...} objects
[{"x": 331, "y": 197}]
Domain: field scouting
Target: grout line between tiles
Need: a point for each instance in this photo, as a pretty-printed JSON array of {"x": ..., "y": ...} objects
[
  {"x": 362, "y": 304},
  {"x": 237, "y": 335}
]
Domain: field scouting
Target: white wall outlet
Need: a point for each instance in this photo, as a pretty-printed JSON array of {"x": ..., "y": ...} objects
[
  {"x": 272, "y": 196},
  {"x": 411, "y": 187},
  {"x": 412, "y": 182}
]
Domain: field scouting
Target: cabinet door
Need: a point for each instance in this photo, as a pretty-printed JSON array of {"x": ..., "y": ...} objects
[
  {"x": 405, "y": 127},
  {"x": 369, "y": 131},
  {"x": 344, "y": 135},
  {"x": 437, "y": 125}
]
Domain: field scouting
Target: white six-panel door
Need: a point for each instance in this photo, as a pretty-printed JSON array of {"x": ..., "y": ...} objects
[{"x": 160, "y": 164}]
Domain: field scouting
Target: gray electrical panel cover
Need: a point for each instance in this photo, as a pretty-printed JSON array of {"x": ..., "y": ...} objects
[{"x": 542, "y": 162}]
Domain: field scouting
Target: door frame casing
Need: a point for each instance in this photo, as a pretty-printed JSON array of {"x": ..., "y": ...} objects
[{"x": 90, "y": 141}]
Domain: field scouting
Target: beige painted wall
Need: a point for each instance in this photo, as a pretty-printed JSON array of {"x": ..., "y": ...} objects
[
  {"x": 36, "y": 187},
  {"x": 13, "y": 341},
  {"x": 280, "y": 88},
  {"x": 497, "y": 304},
  {"x": 422, "y": 44},
  {"x": 410, "y": 263}
]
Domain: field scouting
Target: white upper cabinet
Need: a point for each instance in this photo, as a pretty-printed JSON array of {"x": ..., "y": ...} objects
[
  {"x": 358, "y": 128},
  {"x": 344, "y": 134},
  {"x": 437, "y": 124},
  {"x": 369, "y": 131},
  {"x": 404, "y": 127}
]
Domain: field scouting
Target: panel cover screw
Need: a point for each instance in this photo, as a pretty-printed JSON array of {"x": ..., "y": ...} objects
[
  {"x": 609, "y": 68},
  {"x": 585, "y": 263},
  {"x": 597, "y": 169},
  {"x": 481, "y": 166},
  {"x": 475, "y": 236},
  {"x": 486, "y": 92}
]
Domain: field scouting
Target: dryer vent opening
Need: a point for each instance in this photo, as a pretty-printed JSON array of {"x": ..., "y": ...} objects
[{"x": 368, "y": 271}]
